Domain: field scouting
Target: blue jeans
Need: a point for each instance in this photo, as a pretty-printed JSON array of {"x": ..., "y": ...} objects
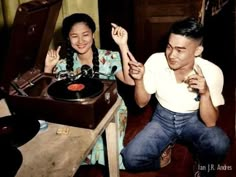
[{"x": 167, "y": 127}]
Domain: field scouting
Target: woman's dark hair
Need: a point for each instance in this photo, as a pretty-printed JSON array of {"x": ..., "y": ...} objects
[
  {"x": 189, "y": 27},
  {"x": 67, "y": 24}
]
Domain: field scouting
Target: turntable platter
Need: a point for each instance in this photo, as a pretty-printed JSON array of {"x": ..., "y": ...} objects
[{"x": 77, "y": 90}]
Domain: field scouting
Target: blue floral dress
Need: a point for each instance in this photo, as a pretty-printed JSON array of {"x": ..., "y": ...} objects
[{"x": 107, "y": 59}]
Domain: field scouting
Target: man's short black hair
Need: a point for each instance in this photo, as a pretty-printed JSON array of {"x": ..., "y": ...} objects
[{"x": 188, "y": 27}]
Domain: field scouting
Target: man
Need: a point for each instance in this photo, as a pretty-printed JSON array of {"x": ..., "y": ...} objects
[{"x": 189, "y": 90}]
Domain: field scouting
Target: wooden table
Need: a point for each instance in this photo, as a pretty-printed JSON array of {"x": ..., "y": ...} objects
[{"x": 51, "y": 154}]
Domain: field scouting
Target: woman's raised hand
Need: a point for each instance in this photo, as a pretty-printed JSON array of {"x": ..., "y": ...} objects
[
  {"x": 51, "y": 59},
  {"x": 119, "y": 34}
]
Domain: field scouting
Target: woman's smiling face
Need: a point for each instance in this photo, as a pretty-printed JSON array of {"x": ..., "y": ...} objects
[{"x": 81, "y": 37}]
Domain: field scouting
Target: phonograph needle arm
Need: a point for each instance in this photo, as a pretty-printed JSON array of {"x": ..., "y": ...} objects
[{"x": 86, "y": 71}]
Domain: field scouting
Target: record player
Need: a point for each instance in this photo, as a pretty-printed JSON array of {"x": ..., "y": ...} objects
[{"x": 31, "y": 92}]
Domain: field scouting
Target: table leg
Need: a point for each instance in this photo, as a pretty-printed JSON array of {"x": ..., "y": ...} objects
[{"x": 112, "y": 149}]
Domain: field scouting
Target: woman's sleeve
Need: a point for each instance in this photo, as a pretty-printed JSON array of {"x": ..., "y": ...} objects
[
  {"x": 110, "y": 63},
  {"x": 115, "y": 61}
]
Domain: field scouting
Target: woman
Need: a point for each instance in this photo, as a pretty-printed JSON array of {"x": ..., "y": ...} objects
[{"x": 78, "y": 30}]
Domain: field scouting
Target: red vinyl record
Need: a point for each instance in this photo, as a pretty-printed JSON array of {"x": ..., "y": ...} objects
[{"x": 77, "y": 90}]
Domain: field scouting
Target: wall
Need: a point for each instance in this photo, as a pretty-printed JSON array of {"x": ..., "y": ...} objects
[
  {"x": 219, "y": 47},
  {"x": 8, "y": 9}
]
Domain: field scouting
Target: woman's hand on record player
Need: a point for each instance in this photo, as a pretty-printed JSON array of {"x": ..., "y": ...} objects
[{"x": 51, "y": 59}]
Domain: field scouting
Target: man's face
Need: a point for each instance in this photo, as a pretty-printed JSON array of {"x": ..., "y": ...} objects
[{"x": 181, "y": 51}]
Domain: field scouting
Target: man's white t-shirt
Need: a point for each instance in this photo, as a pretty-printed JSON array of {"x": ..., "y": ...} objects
[{"x": 160, "y": 79}]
